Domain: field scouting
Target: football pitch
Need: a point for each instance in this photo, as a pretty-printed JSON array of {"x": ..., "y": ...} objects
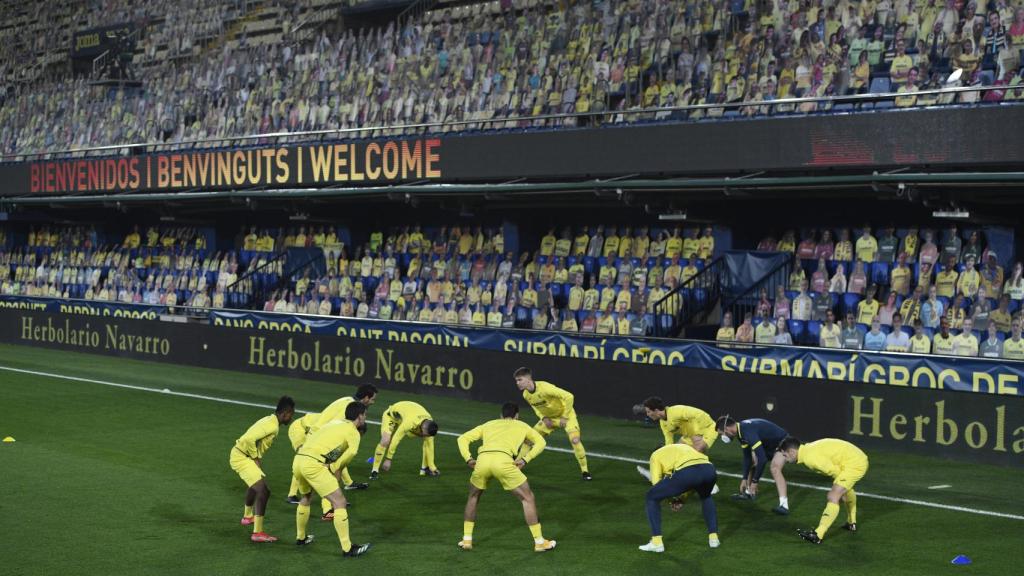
[{"x": 134, "y": 479}]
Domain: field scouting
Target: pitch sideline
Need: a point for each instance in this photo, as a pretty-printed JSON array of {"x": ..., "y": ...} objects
[{"x": 923, "y": 503}]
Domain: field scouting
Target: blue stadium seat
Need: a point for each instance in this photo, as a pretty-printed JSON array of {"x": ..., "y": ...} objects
[
  {"x": 813, "y": 333},
  {"x": 797, "y": 329},
  {"x": 879, "y": 85},
  {"x": 880, "y": 273},
  {"x": 850, "y": 302}
]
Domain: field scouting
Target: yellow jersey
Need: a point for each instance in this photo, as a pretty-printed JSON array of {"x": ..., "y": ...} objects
[
  {"x": 258, "y": 438},
  {"x": 408, "y": 416},
  {"x": 829, "y": 456},
  {"x": 503, "y": 436},
  {"x": 942, "y": 344},
  {"x": 549, "y": 401},
  {"x": 673, "y": 457},
  {"x": 867, "y": 248},
  {"x": 686, "y": 421},
  {"x": 334, "y": 411},
  {"x": 335, "y": 444},
  {"x": 299, "y": 429},
  {"x": 920, "y": 345},
  {"x": 1013, "y": 349},
  {"x": 945, "y": 283},
  {"x": 726, "y": 334},
  {"x": 866, "y": 311}
]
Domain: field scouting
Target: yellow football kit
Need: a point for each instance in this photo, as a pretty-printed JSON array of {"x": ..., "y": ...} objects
[
  {"x": 846, "y": 464},
  {"x": 551, "y": 402},
  {"x": 404, "y": 420},
  {"x": 687, "y": 422},
  {"x": 497, "y": 455},
  {"x": 324, "y": 452},
  {"x": 251, "y": 447}
]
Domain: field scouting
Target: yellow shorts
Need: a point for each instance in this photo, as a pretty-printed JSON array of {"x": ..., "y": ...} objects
[
  {"x": 312, "y": 474},
  {"x": 245, "y": 467},
  {"x": 496, "y": 465},
  {"x": 710, "y": 436},
  {"x": 297, "y": 435},
  {"x": 572, "y": 425},
  {"x": 851, "y": 473},
  {"x": 388, "y": 424}
]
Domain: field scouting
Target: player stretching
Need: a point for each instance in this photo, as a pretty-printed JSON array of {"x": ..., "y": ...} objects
[
  {"x": 694, "y": 426},
  {"x": 496, "y": 459},
  {"x": 314, "y": 467},
  {"x": 675, "y": 470},
  {"x": 760, "y": 440},
  {"x": 844, "y": 463},
  {"x": 365, "y": 395},
  {"x": 245, "y": 460},
  {"x": 405, "y": 419},
  {"x": 297, "y": 433},
  {"x": 554, "y": 408}
]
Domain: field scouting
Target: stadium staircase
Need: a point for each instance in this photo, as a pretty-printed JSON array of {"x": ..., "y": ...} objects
[
  {"x": 696, "y": 299},
  {"x": 744, "y": 300},
  {"x": 729, "y": 283}
]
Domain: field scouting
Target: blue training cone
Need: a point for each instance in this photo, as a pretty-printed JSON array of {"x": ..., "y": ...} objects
[
  {"x": 961, "y": 560},
  {"x": 369, "y": 460}
]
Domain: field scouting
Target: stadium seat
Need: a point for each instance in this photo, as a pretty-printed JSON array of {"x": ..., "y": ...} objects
[
  {"x": 850, "y": 302},
  {"x": 797, "y": 329}
]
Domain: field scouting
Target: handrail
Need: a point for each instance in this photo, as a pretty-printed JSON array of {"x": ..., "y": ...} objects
[
  {"x": 690, "y": 300},
  {"x": 425, "y": 126},
  {"x": 738, "y": 305},
  {"x": 756, "y": 285},
  {"x": 251, "y": 271}
]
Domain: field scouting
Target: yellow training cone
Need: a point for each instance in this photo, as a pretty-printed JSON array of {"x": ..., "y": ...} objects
[{"x": 9, "y": 439}]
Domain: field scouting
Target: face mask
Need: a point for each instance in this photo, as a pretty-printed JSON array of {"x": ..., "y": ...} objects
[{"x": 726, "y": 439}]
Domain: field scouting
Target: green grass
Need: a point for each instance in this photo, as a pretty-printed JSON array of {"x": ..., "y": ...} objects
[{"x": 117, "y": 481}]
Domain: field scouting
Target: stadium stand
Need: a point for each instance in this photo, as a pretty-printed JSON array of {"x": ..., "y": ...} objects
[
  {"x": 237, "y": 68},
  {"x": 597, "y": 279}
]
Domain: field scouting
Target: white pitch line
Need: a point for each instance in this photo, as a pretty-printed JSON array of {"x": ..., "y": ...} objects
[
  {"x": 940, "y": 487},
  {"x": 613, "y": 457}
]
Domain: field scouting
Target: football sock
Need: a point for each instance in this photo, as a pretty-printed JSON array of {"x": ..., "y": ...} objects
[
  {"x": 827, "y": 518},
  {"x": 325, "y": 505},
  {"x": 257, "y": 524},
  {"x": 581, "y": 455},
  {"x": 293, "y": 490},
  {"x": 784, "y": 502},
  {"x": 538, "y": 536},
  {"x": 378, "y": 457},
  {"x": 301, "y": 520},
  {"x": 851, "y": 506},
  {"x": 346, "y": 478},
  {"x": 656, "y": 540},
  {"x": 467, "y": 530},
  {"x": 341, "y": 527},
  {"x": 247, "y": 513},
  {"x": 428, "y": 453}
]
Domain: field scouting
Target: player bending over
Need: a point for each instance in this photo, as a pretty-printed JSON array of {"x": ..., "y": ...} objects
[
  {"x": 693, "y": 425},
  {"x": 496, "y": 458},
  {"x": 844, "y": 463},
  {"x": 675, "y": 470},
  {"x": 315, "y": 466},
  {"x": 554, "y": 408},
  {"x": 245, "y": 459},
  {"x": 760, "y": 440},
  {"x": 401, "y": 420}
]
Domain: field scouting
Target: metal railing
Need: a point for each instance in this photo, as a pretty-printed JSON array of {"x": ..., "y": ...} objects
[
  {"x": 698, "y": 295},
  {"x": 600, "y": 118},
  {"x": 748, "y": 300}
]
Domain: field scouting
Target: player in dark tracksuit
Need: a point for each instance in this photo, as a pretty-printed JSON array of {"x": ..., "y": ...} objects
[{"x": 759, "y": 440}]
